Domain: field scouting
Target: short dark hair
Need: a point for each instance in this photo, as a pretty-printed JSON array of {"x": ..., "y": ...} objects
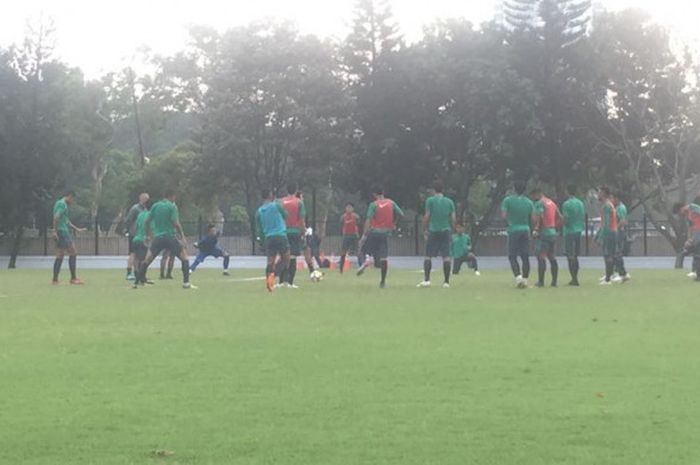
[
  {"x": 571, "y": 189},
  {"x": 292, "y": 188},
  {"x": 266, "y": 193},
  {"x": 378, "y": 190},
  {"x": 677, "y": 207},
  {"x": 169, "y": 193},
  {"x": 536, "y": 191},
  {"x": 350, "y": 204},
  {"x": 68, "y": 193},
  {"x": 605, "y": 190},
  {"x": 519, "y": 187},
  {"x": 211, "y": 226},
  {"x": 439, "y": 187}
]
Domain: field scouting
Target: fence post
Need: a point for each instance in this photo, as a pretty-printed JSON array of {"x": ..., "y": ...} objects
[
  {"x": 97, "y": 236},
  {"x": 416, "y": 234},
  {"x": 45, "y": 234},
  {"x": 587, "y": 236},
  {"x": 646, "y": 245}
]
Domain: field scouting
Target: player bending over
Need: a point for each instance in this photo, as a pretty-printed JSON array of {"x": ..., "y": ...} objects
[
  {"x": 517, "y": 210},
  {"x": 438, "y": 222},
  {"x": 272, "y": 231},
  {"x": 164, "y": 222},
  {"x": 574, "y": 219},
  {"x": 63, "y": 227},
  {"x": 462, "y": 251},
  {"x": 208, "y": 247},
  {"x": 692, "y": 213},
  {"x": 382, "y": 216},
  {"x": 545, "y": 221}
]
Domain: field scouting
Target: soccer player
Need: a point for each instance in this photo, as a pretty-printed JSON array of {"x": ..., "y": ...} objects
[
  {"x": 462, "y": 251},
  {"x": 574, "y": 218},
  {"x": 439, "y": 221},
  {"x": 382, "y": 215},
  {"x": 545, "y": 221},
  {"x": 295, "y": 223},
  {"x": 607, "y": 234},
  {"x": 130, "y": 224},
  {"x": 517, "y": 209},
  {"x": 621, "y": 274},
  {"x": 138, "y": 242},
  {"x": 692, "y": 213},
  {"x": 163, "y": 219},
  {"x": 208, "y": 247},
  {"x": 349, "y": 227},
  {"x": 63, "y": 227},
  {"x": 272, "y": 230}
]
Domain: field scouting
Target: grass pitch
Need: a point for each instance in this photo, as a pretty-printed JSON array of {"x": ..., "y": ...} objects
[{"x": 344, "y": 373}]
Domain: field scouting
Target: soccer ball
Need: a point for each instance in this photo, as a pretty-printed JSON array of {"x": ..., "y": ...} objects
[{"x": 316, "y": 276}]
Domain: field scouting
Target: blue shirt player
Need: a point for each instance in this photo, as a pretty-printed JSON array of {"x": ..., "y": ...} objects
[
  {"x": 272, "y": 232},
  {"x": 208, "y": 247}
]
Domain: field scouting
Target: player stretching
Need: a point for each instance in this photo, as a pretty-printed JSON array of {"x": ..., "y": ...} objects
[
  {"x": 138, "y": 242},
  {"x": 272, "y": 231},
  {"x": 545, "y": 222},
  {"x": 574, "y": 214},
  {"x": 462, "y": 251},
  {"x": 692, "y": 213},
  {"x": 438, "y": 222},
  {"x": 164, "y": 221},
  {"x": 208, "y": 247},
  {"x": 382, "y": 216},
  {"x": 294, "y": 219},
  {"x": 63, "y": 226},
  {"x": 517, "y": 210},
  {"x": 349, "y": 227},
  {"x": 130, "y": 225},
  {"x": 607, "y": 234},
  {"x": 621, "y": 274}
]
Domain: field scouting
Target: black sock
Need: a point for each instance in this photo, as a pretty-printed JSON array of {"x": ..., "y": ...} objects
[
  {"x": 541, "y": 270},
  {"x": 609, "y": 266},
  {"x": 427, "y": 266},
  {"x": 171, "y": 265},
  {"x": 128, "y": 270},
  {"x": 555, "y": 270},
  {"x": 342, "y": 262},
  {"x": 226, "y": 262},
  {"x": 526, "y": 266},
  {"x": 572, "y": 268},
  {"x": 57, "y": 267},
  {"x": 385, "y": 269},
  {"x": 621, "y": 266},
  {"x": 446, "y": 268},
  {"x": 576, "y": 268},
  {"x": 291, "y": 270},
  {"x": 514, "y": 266},
  {"x": 72, "y": 266},
  {"x": 475, "y": 264},
  {"x": 185, "y": 271},
  {"x": 280, "y": 272}
]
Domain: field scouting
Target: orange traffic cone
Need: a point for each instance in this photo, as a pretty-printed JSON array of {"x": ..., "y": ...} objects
[{"x": 301, "y": 264}]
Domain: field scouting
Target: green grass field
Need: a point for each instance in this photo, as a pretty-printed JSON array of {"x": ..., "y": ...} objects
[{"x": 343, "y": 373}]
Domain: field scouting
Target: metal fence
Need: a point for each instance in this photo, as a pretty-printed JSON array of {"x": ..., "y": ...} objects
[{"x": 103, "y": 239}]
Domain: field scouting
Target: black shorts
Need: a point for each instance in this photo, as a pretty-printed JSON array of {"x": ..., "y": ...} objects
[
  {"x": 64, "y": 240},
  {"x": 131, "y": 244},
  {"x": 167, "y": 243},
  {"x": 572, "y": 244},
  {"x": 276, "y": 245},
  {"x": 377, "y": 245},
  {"x": 349, "y": 244},
  {"x": 438, "y": 244},
  {"x": 138, "y": 248},
  {"x": 545, "y": 245},
  {"x": 518, "y": 243},
  {"x": 295, "y": 243}
]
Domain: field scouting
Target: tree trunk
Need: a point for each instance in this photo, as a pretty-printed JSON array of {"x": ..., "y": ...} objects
[{"x": 19, "y": 233}]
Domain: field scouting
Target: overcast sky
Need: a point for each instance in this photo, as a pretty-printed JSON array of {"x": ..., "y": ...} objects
[{"x": 100, "y": 35}]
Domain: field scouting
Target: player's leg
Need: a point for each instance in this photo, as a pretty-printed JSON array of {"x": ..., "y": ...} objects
[
  {"x": 473, "y": 263},
  {"x": 197, "y": 261},
  {"x": 176, "y": 249},
  {"x": 153, "y": 252},
  {"x": 430, "y": 246},
  {"x": 541, "y": 254},
  {"x": 457, "y": 264},
  {"x": 163, "y": 264},
  {"x": 295, "y": 246},
  {"x": 524, "y": 252},
  {"x": 445, "y": 239},
  {"x": 227, "y": 261},
  {"x": 513, "y": 255},
  {"x": 171, "y": 265},
  {"x": 58, "y": 262},
  {"x": 553, "y": 263},
  {"x": 572, "y": 244},
  {"x": 130, "y": 260},
  {"x": 73, "y": 263},
  {"x": 609, "y": 244},
  {"x": 620, "y": 256},
  {"x": 344, "y": 249}
]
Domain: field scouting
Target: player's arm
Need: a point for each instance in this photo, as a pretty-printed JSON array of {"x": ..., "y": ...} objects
[
  {"x": 370, "y": 215},
  {"x": 175, "y": 217},
  {"x": 302, "y": 214},
  {"x": 426, "y": 216},
  {"x": 453, "y": 218},
  {"x": 398, "y": 213},
  {"x": 504, "y": 208},
  {"x": 75, "y": 228},
  {"x": 281, "y": 209},
  {"x": 56, "y": 219},
  {"x": 559, "y": 218}
]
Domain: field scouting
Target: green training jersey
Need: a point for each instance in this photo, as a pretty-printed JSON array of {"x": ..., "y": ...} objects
[
  {"x": 440, "y": 209},
  {"x": 574, "y": 214},
  {"x": 461, "y": 245},
  {"x": 140, "y": 226},
  {"x": 60, "y": 211},
  {"x": 164, "y": 215},
  {"x": 518, "y": 210},
  {"x": 621, "y": 211}
]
